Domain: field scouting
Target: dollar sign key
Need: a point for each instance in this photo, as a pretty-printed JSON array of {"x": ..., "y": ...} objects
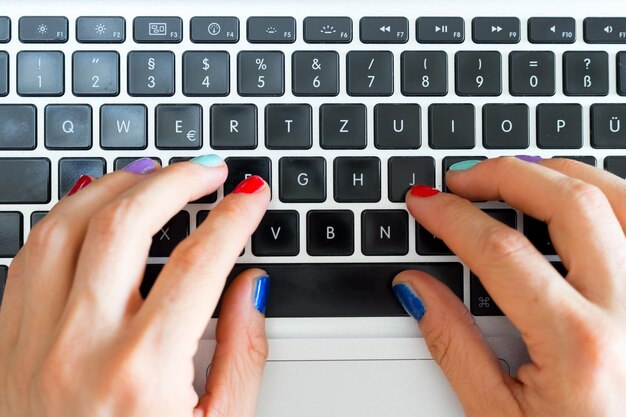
[{"x": 205, "y": 64}]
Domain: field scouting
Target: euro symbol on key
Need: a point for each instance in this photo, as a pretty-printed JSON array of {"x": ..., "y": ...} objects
[{"x": 191, "y": 136}]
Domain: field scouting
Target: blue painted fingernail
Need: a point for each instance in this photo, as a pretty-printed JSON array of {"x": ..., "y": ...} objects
[
  {"x": 209, "y": 161},
  {"x": 411, "y": 302},
  {"x": 464, "y": 165},
  {"x": 141, "y": 166},
  {"x": 529, "y": 158},
  {"x": 260, "y": 293}
]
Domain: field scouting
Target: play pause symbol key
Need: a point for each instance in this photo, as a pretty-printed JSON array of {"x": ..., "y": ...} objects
[{"x": 440, "y": 30}]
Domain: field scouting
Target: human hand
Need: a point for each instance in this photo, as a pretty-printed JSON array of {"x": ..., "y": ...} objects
[
  {"x": 575, "y": 329},
  {"x": 76, "y": 339}
]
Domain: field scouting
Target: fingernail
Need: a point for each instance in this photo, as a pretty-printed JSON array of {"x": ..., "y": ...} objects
[
  {"x": 529, "y": 158},
  {"x": 423, "y": 191},
  {"x": 464, "y": 165},
  {"x": 260, "y": 293},
  {"x": 82, "y": 182},
  {"x": 250, "y": 185},
  {"x": 410, "y": 301},
  {"x": 141, "y": 166},
  {"x": 209, "y": 161}
]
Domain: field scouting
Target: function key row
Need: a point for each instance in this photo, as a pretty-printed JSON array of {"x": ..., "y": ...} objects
[{"x": 319, "y": 29}]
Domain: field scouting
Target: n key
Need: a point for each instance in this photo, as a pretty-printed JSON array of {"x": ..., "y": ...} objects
[
  {"x": 370, "y": 73},
  {"x": 384, "y": 232}
]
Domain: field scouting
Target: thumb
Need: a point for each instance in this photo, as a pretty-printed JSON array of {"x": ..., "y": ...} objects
[{"x": 457, "y": 345}]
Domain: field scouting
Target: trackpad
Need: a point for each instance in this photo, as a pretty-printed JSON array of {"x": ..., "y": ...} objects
[{"x": 364, "y": 388}]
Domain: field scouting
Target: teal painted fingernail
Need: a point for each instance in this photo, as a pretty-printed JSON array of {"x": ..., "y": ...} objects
[
  {"x": 411, "y": 302},
  {"x": 260, "y": 293},
  {"x": 464, "y": 165},
  {"x": 209, "y": 161}
]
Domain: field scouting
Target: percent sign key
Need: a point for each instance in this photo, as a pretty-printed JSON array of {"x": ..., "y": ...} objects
[{"x": 261, "y": 73}]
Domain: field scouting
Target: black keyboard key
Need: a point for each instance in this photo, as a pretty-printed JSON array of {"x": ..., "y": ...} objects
[
  {"x": 158, "y": 29},
  {"x": 68, "y": 126},
  {"x": 123, "y": 126},
  {"x": 214, "y": 29},
  {"x": 559, "y": 126},
  {"x": 481, "y": 303},
  {"x": 589, "y": 160},
  {"x": 208, "y": 199},
  {"x": 201, "y": 217},
  {"x": 233, "y": 126},
  {"x": 551, "y": 30},
  {"x": 121, "y": 163},
  {"x": 206, "y": 73},
  {"x": 478, "y": 73},
  {"x": 357, "y": 179},
  {"x": 151, "y": 73},
  {"x": 18, "y": 129},
  {"x": 178, "y": 126},
  {"x": 397, "y": 126},
  {"x": 616, "y": 165},
  {"x": 95, "y": 73},
  {"x": 170, "y": 235},
  {"x": 440, "y": 30},
  {"x": 5, "y": 29},
  {"x": 496, "y": 30},
  {"x": 327, "y": 29},
  {"x": 532, "y": 73},
  {"x": 451, "y": 126},
  {"x": 100, "y": 29},
  {"x": 261, "y": 73},
  {"x": 3, "y": 280},
  {"x": 407, "y": 171},
  {"x": 241, "y": 168},
  {"x": 288, "y": 126},
  {"x": 384, "y": 29},
  {"x": 11, "y": 233},
  {"x": 330, "y": 233},
  {"x": 505, "y": 126},
  {"x": 621, "y": 73},
  {"x": 424, "y": 73},
  {"x": 71, "y": 169},
  {"x": 271, "y": 30},
  {"x": 36, "y": 217},
  {"x": 315, "y": 73},
  {"x": 343, "y": 126},
  {"x": 586, "y": 73},
  {"x": 33, "y": 177},
  {"x": 302, "y": 179},
  {"x": 605, "y": 29},
  {"x": 384, "y": 232},
  {"x": 43, "y": 29},
  {"x": 448, "y": 161},
  {"x": 370, "y": 73},
  {"x": 40, "y": 73},
  {"x": 607, "y": 131},
  {"x": 278, "y": 234},
  {"x": 4, "y": 73},
  {"x": 537, "y": 233}
]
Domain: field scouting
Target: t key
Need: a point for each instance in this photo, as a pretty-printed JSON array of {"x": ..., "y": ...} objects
[
  {"x": 478, "y": 73},
  {"x": 586, "y": 73},
  {"x": 370, "y": 73}
]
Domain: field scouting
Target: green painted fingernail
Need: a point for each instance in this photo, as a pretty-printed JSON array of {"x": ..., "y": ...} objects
[
  {"x": 210, "y": 160},
  {"x": 463, "y": 165}
]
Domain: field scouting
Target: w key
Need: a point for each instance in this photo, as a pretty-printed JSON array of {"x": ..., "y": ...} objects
[{"x": 370, "y": 73}]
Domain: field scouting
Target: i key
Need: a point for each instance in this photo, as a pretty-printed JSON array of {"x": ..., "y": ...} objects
[
  {"x": 478, "y": 73},
  {"x": 586, "y": 73},
  {"x": 370, "y": 73},
  {"x": 424, "y": 73},
  {"x": 531, "y": 73},
  {"x": 451, "y": 126}
]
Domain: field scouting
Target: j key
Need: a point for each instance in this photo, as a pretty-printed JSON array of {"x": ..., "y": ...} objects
[
  {"x": 40, "y": 73},
  {"x": 233, "y": 126},
  {"x": 621, "y": 73},
  {"x": 616, "y": 165},
  {"x": 261, "y": 73},
  {"x": 505, "y": 126},
  {"x": 302, "y": 180},
  {"x": 370, "y": 73},
  {"x": 585, "y": 159},
  {"x": 241, "y": 168},
  {"x": 4, "y": 73},
  {"x": 123, "y": 126},
  {"x": 100, "y": 29},
  {"x": 315, "y": 73},
  {"x": 18, "y": 129},
  {"x": 121, "y": 163},
  {"x": 3, "y": 280},
  {"x": 68, "y": 126},
  {"x": 397, "y": 126},
  {"x": 170, "y": 235},
  {"x": 451, "y": 126},
  {"x": 440, "y": 30},
  {"x": 481, "y": 302},
  {"x": 178, "y": 126},
  {"x": 206, "y": 73},
  {"x": 288, "y": 126},
  {"x": 559, "y": 126},
  {"x": 158, "y": 29},
  {"x": 278, "y": 234},
  {"x": 208, "y": 199},
  {"x": 150, "y": 73},
  {"x": 537, "y": 232},
  {"x": 608, "y": 126},
  {"x": 271, "y": 30},
  {"x": 478, "y": 73},
  {"x": 424, "y": 73},
  {"x": 36, "y": 217},
  {"x": 5, "y": 29},
  {"x": 448, "y": 161},
  {"x": 214, "y": 29},
  {"x": 407, "y": 171},
  {"x": 327, "y": 30},
  {"x": 552, "y": 30},
  {"x": 33, "y": 175},
  {"x": 95, "y": 73},
  {"x": 532, "y": 73},
  {"x": 43, "y": 29},
  {"x": 496, "y": 30},
  {"x": 384, "y": 30},
  {"x": 71, "y": 169},
  {"x": 586, "y": 73},
  {"x": 384, "y": 232},
  {"x": 605, "y": 29},
  {"x": 343, "y": 126},
  {"x": 330, "y": 233},
  {"x": 11, "y": 233},
  {"x": 357, "y": 179}
]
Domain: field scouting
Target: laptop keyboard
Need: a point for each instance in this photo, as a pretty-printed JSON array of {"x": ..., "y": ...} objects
[{"x": 340, "y": 115}]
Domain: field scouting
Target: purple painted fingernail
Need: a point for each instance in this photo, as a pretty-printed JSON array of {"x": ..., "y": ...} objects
[
  {"x": 141, "y": 166},
  {"x": 529, "y": 158}
]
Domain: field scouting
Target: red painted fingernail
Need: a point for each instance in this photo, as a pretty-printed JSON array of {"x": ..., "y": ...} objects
[
  {"x": 82, "y": 182},
  {"x": 250, "y": 185},
  {"x": 423, "y": 191}
]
